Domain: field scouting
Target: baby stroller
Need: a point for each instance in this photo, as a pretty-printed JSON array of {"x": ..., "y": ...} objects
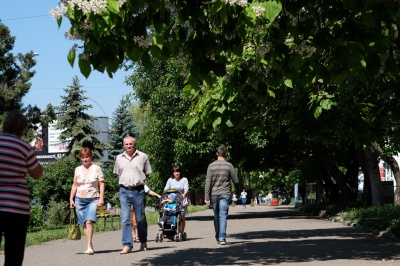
[{"x": 167, "y": 230}]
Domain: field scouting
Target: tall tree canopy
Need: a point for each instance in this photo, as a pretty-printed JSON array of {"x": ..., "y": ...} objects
[
  {"x": 76, "y": 124},
  {"x": 264, "y": 66},
  {"x": 15, "y": 73},
  {"x": 122, "y": 125}
]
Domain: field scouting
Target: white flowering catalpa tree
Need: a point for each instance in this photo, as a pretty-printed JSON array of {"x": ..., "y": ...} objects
[
  {"x": 240, "y": 54},
  {"x": 266, "y": 66}
]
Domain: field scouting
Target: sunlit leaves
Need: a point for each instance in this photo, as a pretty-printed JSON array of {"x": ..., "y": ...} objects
[
  {"x": 113, "y": 6},
  {"x": 71, "y": 57}
]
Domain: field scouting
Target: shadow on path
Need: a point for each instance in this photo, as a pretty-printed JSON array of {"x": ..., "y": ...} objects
[{"x": 286, "y": 245}]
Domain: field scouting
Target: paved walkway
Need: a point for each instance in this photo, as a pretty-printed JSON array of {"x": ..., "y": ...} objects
[{"x": 259, "y": 235}]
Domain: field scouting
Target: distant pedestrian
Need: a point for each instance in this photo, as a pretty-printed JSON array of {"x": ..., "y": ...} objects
[
  {"x": 234, "y": 198},
  {"x": 260, "y": 197},
  {"x": 217, "y": 190},
  {"x": 17, "y": 159},
  {"x": 243, "y": 196}
]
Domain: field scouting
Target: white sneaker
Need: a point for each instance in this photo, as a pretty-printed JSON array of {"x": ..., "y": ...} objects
[{"x": 223, "y": 243}]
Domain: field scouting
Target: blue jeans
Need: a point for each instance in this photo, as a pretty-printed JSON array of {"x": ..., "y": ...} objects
[
  {"x": 244, "y": 202},
  {"x": 220, "y": 205},
  {"x": 137, "y": 199}
]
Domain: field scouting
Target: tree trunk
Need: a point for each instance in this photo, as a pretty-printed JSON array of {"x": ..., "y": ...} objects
[{"x": 372, "y": 168}]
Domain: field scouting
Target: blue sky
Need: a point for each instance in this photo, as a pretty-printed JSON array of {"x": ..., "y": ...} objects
[{"x": 35, "y": 30}]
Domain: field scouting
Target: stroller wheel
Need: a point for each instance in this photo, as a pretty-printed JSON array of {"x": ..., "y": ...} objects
[
  {"x": 184, "y": 237},
  {"x": 157, "y": 238},
  {"x": 161, "y": 238},
  {"x": 179, "y": 237}
]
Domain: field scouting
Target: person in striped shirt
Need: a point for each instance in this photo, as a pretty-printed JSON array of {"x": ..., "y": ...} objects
[
  {"x": 218, "y": 191},
  {"x": 17, "y": 159}
]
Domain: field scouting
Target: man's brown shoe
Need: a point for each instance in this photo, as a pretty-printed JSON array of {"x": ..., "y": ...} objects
[
  {"x": 143, "y": 246},
  {"x": 126, "y": 250}
]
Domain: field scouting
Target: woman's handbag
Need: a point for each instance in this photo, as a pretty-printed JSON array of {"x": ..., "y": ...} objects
[{"x": 74, "y": 232}]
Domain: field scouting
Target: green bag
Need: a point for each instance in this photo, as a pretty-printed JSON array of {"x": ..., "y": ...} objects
[{"x": 74, "y": 232}]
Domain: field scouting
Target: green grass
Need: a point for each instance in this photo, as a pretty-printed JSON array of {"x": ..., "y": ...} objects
[{"x": 44, "y": 235}]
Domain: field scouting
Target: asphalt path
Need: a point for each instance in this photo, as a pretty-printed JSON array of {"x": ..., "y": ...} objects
[{"x": 257, "y": 235}]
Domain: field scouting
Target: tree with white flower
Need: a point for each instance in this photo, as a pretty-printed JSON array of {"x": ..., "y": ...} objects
[{"x": 265, "y": 66}]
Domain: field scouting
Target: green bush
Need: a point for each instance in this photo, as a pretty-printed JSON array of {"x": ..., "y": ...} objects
[
  {"x": 394, "y": 227},
  {"x": 56, "y": 181},
  {"x": 36, "y": 219},
  {"x": 56, "y": 213}
]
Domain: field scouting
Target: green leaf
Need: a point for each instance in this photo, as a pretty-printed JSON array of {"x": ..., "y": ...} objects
[
  {"x": 216, "y": 122},
  {"x": 221, "y": 109},
  {"x": 59, "y": 21},
  {"x": 271, "y": 93},
  {"x": 113, "y": 6},
  {"x": 216, "y": 96},
  {"x": 84, "y": 67},
  {"x": 288, "y": 83},
  {"x": 363, "y": 64},
  {"x": 272, "y": 10},
  {"x": 155, "y": 51},
  {"x": 135, "y": 53},
  {"x": 317, "y": 112},
  {"x": 326, "y": 104},
  {"x": 71, "y": 57},
  {"x": 192, "y": 122}
]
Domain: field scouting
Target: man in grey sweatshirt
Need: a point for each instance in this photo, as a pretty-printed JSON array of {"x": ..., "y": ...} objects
[{"x": 218, "y": 191}]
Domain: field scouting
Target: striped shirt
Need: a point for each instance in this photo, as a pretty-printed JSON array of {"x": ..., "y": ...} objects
[
  {"x": 219, "y": 175},
  {"x": 16, "y": 158}
]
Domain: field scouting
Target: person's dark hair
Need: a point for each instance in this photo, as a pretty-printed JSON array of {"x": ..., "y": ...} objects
[
  {"x": 176, "y": 168},
  {"x": 222, "y": 151},
  {"x": 15, "y": 123}
]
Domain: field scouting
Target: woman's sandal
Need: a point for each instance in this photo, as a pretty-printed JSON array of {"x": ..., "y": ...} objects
[
  {"x": 89, "y": 251},
  {"x": 136, "y": 239}
]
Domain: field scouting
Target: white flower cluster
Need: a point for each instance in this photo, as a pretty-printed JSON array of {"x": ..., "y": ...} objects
[
  {"x": 87, "y": 6},
  {"x": 121, "y": 2},
  {"x": 242, "y": 3},
  {"x": 95, "y": 6},
  {"x": 142, "y": 41},
  {"x": 58, "y": 11},
  {"x": 259, "y": 10}
]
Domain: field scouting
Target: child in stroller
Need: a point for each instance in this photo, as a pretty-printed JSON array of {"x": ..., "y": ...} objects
[
  {"x": 169, "y": 220},
  {"x": 170, "y": 212}
]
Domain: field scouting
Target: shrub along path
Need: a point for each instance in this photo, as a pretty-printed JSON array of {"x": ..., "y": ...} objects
[{"x": 259, "y": 235}]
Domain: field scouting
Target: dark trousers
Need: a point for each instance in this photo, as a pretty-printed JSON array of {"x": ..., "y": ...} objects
[{"x": 14, "y": 227}]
